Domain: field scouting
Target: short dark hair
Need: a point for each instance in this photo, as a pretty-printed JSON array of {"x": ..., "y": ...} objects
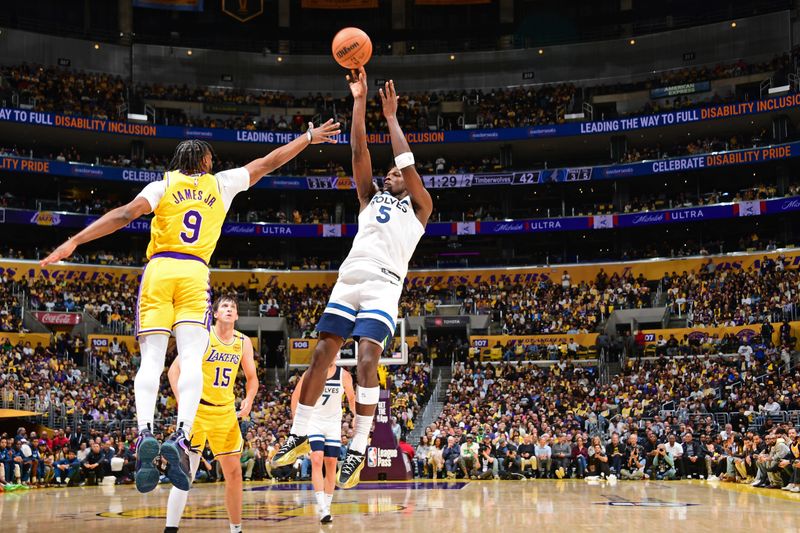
[
  {"x": 188, "y": 157},
  {"x": 225, "y": 298}
]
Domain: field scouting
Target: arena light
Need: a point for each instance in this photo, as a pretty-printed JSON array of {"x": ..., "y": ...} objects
[
  {"x": 733, "y": 24},
  {"x": 97, "y": 46},
  {"x": 779, "y": 90},
  {"x": 541, "y": 52},
  {"x": 280, "y": 59},
  {"x": 452, "y": 57},
  {"x": 574, "y": 116},
  {"x": 137, "y": 117},
  {"x": 188, "y": 52},
  {"x": 632, "y": 42}
]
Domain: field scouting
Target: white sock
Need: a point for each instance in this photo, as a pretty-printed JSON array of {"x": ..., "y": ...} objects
[
  {"x": 236, "y": 528},
  {"x": 329, "y": 500},
  {"x": 361, "y": 433},
  {"x": 177, "y": 497},
  {"x": 192, "y": 342},
  {"x": 301, "y": 417},
  {"x": 175, "y": 506},
  {"x": 320, "y": 497},
  {"x": 148, "y": 377}
]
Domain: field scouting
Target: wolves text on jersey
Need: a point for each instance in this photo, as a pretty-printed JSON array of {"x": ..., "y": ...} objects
[{"x": 391, "y": 201}]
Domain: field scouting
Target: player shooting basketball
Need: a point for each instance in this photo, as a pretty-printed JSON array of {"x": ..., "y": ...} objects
[{"x": 364, "y": 302}]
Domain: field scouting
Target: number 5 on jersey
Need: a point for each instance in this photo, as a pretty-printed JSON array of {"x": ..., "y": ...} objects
[{"x": 385, "y": 214}]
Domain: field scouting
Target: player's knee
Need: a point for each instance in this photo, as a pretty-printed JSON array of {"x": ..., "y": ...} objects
[
  {"x": 316, "y": 459},
  {"x": 231, "y": 467},
  {"x": 324, "y": 354},
  {"x": 368, "y": 365}
]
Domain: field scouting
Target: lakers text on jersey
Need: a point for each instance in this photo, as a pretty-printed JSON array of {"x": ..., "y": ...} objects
[{"x": 216, "y": 421}]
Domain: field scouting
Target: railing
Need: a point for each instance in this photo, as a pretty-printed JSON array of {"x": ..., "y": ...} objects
[
  {"x": 794, "y": 80},
  {"x": 764, "y": 87},
  {"x": 427, "y": 413},
  {"x": 720, "y": 419},
  {"x": 669, "y": 407},
  {"x": 54, "y": 415},
  {"x": 588, "y": 111},
  {"x": 602, "y": 366},
  {"x": 658, "y": 294}
]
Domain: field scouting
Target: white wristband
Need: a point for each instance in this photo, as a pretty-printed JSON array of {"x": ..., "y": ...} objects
[
  {"x": 308, "y": 131},
  {"x": 404, "y": 160}
]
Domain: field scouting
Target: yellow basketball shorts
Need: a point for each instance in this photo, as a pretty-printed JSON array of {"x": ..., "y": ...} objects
[
  {"x": 218, "y": 426},
  {"x": 175, "y": 289}
]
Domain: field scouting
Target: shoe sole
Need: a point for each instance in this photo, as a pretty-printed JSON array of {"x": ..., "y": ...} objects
[
  {"x": 179, "y": 479},
  {"x": 291, "y": 456},
  {"x": 354, "y": 479},
  {"x": 147, "y": 475},
  {"x": 327, "y": 519}
]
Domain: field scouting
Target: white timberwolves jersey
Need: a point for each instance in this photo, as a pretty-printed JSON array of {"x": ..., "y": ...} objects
[
  {"x": 329, "y": 405},
  {"x": 388, "y": 233}
]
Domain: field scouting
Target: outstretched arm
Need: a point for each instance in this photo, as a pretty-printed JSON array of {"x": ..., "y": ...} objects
[
  {"x": 362, "y": 162},
  {"x": 112, "y": 221},
  {"x": 420, "y": 197},
  {"x": 262, "y": 166},
  {"x": 251, "y": 375}
]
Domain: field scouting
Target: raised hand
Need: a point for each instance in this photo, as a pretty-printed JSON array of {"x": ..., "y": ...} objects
[
  {"x": 389, "y": 99},
  {"x": 325, "y": 133},
  {"x": 358, "y": 82},
  {"x": 62, "y": 252}
]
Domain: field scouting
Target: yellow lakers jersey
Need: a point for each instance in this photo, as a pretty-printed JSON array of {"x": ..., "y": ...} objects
[
  {"x": 220, "y": 365},
  {"x": 189, "y": 217}
]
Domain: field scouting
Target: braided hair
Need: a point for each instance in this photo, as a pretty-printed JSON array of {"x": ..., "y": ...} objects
[{"x": 189, "y": 156}]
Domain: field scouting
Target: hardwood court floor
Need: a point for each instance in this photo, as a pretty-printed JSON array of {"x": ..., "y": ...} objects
[{"x": 478, "y": 506}]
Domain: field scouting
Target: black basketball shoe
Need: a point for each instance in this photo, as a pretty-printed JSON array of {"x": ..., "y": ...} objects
[
  {"x": 176, "y": 452},
  {"x": 147, "y": 449},
  {"x": 293, "y": 448},
  {"x": 350, "y": 471}
]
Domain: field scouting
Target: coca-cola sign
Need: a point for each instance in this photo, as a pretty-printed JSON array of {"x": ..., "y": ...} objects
[{"x": 57, "y": 319}]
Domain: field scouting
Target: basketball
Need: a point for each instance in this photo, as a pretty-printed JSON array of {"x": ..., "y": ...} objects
[{"x": 351, "y": 48}]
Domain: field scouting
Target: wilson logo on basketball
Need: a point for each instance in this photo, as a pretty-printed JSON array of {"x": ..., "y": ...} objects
[{"x": 346, "y": 50}]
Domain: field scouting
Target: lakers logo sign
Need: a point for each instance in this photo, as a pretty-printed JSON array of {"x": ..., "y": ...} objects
[{"x": 243, "y": 10}]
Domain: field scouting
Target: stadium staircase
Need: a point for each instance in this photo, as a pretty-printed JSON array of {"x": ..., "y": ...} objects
[
  {"x": 660, "y": 300},
  {"x": 433, "y": 408},
  {"x": 248, "y": 308}
]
